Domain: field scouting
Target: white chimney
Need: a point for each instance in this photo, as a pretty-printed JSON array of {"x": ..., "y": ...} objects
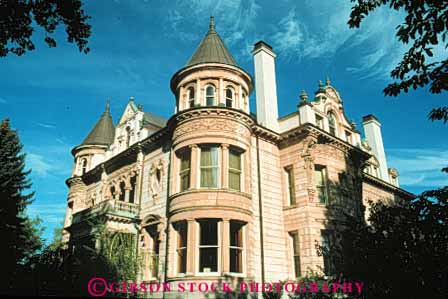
[
  {"x": 265, "y": 86},
  {"x": 372, "y": 130}
]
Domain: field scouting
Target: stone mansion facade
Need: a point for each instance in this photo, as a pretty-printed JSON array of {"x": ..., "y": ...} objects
[{"x": 217, "y": 191}]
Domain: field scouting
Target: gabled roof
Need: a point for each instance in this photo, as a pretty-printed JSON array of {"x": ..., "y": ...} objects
[
  {"x": 212, "y": 49},
  {"x": 103, "y": 132}
]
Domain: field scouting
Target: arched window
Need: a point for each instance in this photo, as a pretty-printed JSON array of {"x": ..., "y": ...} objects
[
  {"x": 132, "y": 191},
  {"x": 332, "y": 123},
  {"x": 190, "y": 97},
  {"x": 210, "y": 96},
  {"x": 229, "y": 97},
  {"x": 128, "y": 136},
  {"x": 83, "y": 166}
]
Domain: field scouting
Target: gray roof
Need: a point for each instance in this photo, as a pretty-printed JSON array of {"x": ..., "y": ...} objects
[
  {"x": 154, "y": 119},
  {"x": 212, "y": 49},
  {"x": 103, "y": 132}
]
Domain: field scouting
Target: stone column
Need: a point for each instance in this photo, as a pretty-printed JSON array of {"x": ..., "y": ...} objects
[
  {"x": 225, "y": 250},
  {"x": 197, "y": 94},
  {"x": 225, "y": 166},
  {"x": 239, "y": 102},
  {"x": 194, "y": 166},
  {"x": 181, "y": 99},
  {"x": 221, "y": 98},
  {"x": 191, "y": 246}
]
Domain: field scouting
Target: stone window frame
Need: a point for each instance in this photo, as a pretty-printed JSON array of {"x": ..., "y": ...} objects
[
  {"x": 287, "y": 170},
  {"x": 324, "y": 170},
  {"x": 215, "y": 95},
  {"x": 232, "y": 97},
  {"x": 294, "y": 254},
  {"x": 242, "y": 248},
  {"x": 176, "y": 228},
  {"x": 197, "y": 246}
]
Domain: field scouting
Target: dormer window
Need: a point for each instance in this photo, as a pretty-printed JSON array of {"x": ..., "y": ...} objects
[
  {"x": 229, "y": 97},
  {"x": 191, "y": 97},
  {"x": 210, "y": 95},
  {"x": 332, "y": 124}
]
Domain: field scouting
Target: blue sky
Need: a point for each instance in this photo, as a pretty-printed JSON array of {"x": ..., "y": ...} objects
[{"x": 54, "y": 96}]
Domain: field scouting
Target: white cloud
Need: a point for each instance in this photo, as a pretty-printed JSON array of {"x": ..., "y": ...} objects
[
  {"x": 38, "y": 164},
  {"x": 420, "y": 167},
  {"x": 46, "y": 125},
  {"x": 319, "y": 29},
  {"x": 50, "y": 213}
]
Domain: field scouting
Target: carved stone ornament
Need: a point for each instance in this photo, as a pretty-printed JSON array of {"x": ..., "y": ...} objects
[{"x": 156, "y": 173}]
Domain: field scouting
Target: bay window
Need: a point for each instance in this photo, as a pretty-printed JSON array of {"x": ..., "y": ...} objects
[
  {"x": 208, "y": 245},
  {"x": 184, "y": 172},
  {"x": 181, "y": 248},
  {"x": 236, "y": 246},
  {"x": 209, "y": 166},
  {"x": 234, "y": 169}
]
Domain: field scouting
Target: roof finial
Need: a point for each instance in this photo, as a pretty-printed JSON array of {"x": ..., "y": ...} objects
[
  {"x": 328, "y": 81},
  {"x": 131, "y": 99},
  {"x": 107, "y": 110},
  {"x": 303, "y": 96},
  {"x": 212, "y": 24}
]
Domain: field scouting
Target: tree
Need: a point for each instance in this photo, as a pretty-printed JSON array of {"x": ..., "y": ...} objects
[
  {"x": 425, "y": 26},
  {"x": 402, "y": 251},
  {"x": 17, "y": 18},
  {"x": 19, "y": 235}
]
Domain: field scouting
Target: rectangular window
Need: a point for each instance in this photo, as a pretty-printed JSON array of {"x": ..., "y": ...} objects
[
  {"x": 320, "y": 175},
  {"x": 181, "y": 250},
  {"x": 348, "y": 136},
  {"x": 290, "y": 191},
  {"x": 326, "y": 252},
  {"x": 234, "y": 169},
  {"x": 208, "y": 245},
  {"x": 236, "y": 246},
  {"x": 296, "y": 252},
  {"x": 185, "y": 165},
  {"x": 209, "y": 166},
  {"x": 319, "y": 122}
]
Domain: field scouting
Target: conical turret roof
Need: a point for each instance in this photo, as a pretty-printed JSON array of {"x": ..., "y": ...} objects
[
  {"x": 212, "y": 49},
  {"x": 103, "y": 132}
]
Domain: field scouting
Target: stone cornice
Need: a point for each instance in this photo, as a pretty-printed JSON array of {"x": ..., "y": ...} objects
[
  {"x": 323, "y": 138},
  {"x": 385, "y": 185},
  {"x": 199, "y": 112}
]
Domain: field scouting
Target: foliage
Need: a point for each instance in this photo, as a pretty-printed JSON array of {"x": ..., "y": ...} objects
[
  {"x": 20, "y": 235},
  {"x": 402, "y": 251},
  {"x": 425, "y": 27},
  {"x": 61, "y": 271},
  {"x": 18, "y": 17}
]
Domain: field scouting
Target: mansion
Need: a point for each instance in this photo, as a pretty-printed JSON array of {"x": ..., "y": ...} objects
[{"x": 221, "y": 192}]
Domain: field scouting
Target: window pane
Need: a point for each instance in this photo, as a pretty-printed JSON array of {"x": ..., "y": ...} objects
[
  {"x": 234, "y": 160},
  {"x": 209, "y": 166},
  {"x": 208, "y": 261},
  {"x": 210, "y": 91},
  {"x": 209, "y": 232},
  {"x": 236, "y": 234},
  {"x": 234, "y": 180},
  {"x": 290, "y": 181},
  {"x": 182, "y": 232},
  {"x": 185, "y": 160},
  {"x": 236, "y": 260}
]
